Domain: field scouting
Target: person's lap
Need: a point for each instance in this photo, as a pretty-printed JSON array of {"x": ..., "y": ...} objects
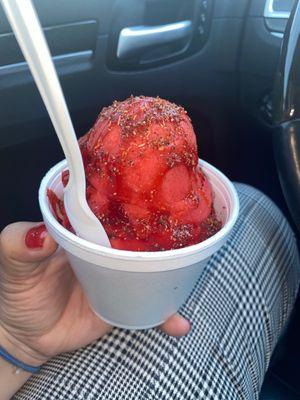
[{"x": 237, "y": 310}]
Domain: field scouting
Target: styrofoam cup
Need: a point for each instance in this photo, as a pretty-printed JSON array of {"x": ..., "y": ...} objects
[{"x": 139, "y": 290}]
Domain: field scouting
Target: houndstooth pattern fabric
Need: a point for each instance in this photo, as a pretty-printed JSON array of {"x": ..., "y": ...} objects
[{"x": 238, "y": 311}]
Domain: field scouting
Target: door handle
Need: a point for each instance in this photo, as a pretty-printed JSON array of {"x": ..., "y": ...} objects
[{"x": 135, "y": 41}]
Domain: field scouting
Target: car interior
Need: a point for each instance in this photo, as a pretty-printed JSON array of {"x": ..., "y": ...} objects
[{"x": 217, "y": 58}]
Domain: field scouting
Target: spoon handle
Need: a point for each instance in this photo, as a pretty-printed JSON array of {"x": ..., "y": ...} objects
[{"x": 27, "y": 29}]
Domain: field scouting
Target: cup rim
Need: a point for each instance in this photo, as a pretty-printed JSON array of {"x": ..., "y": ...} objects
[{"x": 74, "y": 240}]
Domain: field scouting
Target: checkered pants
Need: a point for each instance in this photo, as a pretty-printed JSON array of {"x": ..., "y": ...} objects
[{"x": 238, "y": 310}]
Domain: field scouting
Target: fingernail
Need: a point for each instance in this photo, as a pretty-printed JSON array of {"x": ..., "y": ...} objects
[{"x": 35, "y": 237}]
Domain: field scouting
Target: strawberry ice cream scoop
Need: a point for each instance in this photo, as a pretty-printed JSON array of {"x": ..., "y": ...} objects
[{"x": 143, "y": 178}]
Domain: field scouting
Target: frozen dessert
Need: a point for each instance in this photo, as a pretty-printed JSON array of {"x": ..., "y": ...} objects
[{"x": 143, "y": 178}]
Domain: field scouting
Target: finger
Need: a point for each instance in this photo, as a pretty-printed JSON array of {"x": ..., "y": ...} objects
[
  {"x": 176, "y": 326},
  {"x": 25, "y": 244}
]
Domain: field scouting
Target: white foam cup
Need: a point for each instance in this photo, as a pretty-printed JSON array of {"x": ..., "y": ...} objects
[{"x": 139, "y": 290}]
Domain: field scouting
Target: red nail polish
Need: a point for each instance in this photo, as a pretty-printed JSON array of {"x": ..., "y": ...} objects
[{"x": 35, "y": 237}]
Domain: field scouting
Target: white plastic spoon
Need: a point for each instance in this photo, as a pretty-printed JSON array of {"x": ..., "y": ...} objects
[{"x": 27, "y": 29}]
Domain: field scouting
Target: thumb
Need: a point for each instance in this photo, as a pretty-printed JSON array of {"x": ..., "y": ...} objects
[{"x": 25, "y": 245}]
